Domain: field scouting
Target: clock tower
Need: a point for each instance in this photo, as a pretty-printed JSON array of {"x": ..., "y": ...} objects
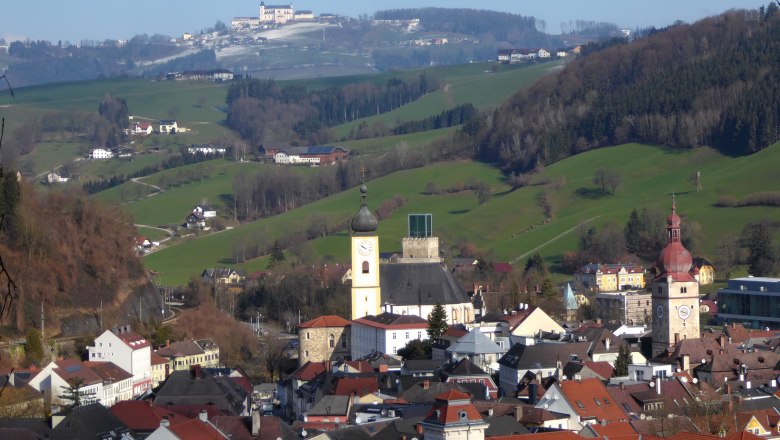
[
  {"x": 366, "y": 293},
  {"x": 675, "y": 292}
]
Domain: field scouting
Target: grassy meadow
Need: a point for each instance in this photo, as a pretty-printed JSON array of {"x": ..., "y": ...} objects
[{"x": 512, "y": 224}]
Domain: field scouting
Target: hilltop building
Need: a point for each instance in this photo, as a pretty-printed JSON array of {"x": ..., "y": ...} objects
[
  {"x": 276, "y": 14},
  {"x": 675, "y": 292},
  {"x": 413, "y": 287},
  {"x": 611, "y": 277}
]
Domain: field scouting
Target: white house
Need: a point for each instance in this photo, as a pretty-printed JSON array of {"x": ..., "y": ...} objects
[
  {"x": 207, "y": 211},
  {"x": 284, "y": 158},
  {"x": 141, "y": 128},
  {"x": 206, "y": 149},
  {"x": 101, "y": 153},
  {"x": 168, "y": 126},
  {"x": 386, "y": 333},
  {"x": 56, "y": 178},
  {"x": 130, "y": 351},
  {"x": 101, "y": 382},
  {"x": 585, "y": 401},
  {"x": 542, "y": 53}
]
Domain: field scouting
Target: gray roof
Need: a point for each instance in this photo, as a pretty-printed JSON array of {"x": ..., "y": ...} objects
[
  {"x": 335, "y": 405},
  {"x": 190, "y": 388},
  {"x": 419, "y": 284},
  {"x": 88, "y": 422},
  {"x": 474, "y": 342},
  {"x": 528, "y": 357}
]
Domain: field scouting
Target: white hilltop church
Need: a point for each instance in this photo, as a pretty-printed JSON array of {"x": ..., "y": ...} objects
[{"x": 414, "y": 285}]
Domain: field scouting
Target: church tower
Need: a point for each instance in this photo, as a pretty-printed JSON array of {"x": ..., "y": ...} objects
[
  {"x": 366, "y": 293},
  {"x": 675, "y": 292}
]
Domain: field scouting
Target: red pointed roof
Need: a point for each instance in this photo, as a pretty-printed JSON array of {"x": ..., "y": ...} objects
[
  {"x": 674, "y": 260},
  {"x": 325, "y": 321},
  {"x": 453, "y": 395}
]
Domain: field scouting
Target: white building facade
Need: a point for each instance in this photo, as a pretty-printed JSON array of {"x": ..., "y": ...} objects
[{"x": 130, "y": 351}]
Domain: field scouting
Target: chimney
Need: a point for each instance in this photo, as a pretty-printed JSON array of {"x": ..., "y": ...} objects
[
  {"x": 622, "y": 385},
  {"x": 383, "y": 368},
  {"x": 167, "y": 342},
  {"x": 532, "y": 393},
  {"x": 419, "y": 428},
  {"x": 490, "y": 412},
  {"x": 256, "y": 423},
  {"x": 606, "y": 343},
  {"x": 747, "y": 385},
  {"x": 164, "y": 422},
  {"x": 203, "y": 416},
  {"x": 676, "y": 338},
  {"x": 603, "y": 422},
  {"x": 722, "y": 341},
  {"x": 686, "y": 362},
  {"x": 195, "y": 371},
  {"x": 426, "y": 384},
  {"x": 658, "y": 385}
]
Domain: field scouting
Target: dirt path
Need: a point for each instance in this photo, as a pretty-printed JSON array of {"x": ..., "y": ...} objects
[{"x": 520, "y": 257}]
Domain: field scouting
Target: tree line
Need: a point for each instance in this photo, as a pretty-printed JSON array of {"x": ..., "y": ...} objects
[
  {"x": 447, "y": 118},
  {"x": 714, "y": 83},
  {"x": 263, "y": 111}
]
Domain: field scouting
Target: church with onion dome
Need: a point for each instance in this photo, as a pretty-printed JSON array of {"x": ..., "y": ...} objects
[
  {"x": 675, "y": 292},
  {"x": 412, "y": 286}
]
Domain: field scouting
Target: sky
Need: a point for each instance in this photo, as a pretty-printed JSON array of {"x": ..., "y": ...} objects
[{"x": 77, "y": 20}]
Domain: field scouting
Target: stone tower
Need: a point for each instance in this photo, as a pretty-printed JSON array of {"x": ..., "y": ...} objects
[
  {"x": 675, "y": 292},
  {"x": 366, "y": 293}
]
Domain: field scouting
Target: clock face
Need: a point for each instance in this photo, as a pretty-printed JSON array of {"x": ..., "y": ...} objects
[
  {"x": 684, "y": 312},
  {"x": 660, "y": 311},
  {"x": 365, "y": 247}
]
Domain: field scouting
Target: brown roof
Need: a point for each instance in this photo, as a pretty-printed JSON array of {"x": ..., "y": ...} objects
[
  {"x": 603, "y": 369},
  {"x": 309, "y": 371},
  {"x": 180, "y": 348},
  {"x": 325, "y": 321},
  {"x": 141, "y": 415},
  {"x": 108, "y": 371},
  {"x": 361, "y": 386},
  {"x": 74, "y": 369},
  {"x": 393, "y": 321},
  {"x": 590, "y": 400},
  {"x": 157, "y": 359},
  {"x": 196, "y": 429}
]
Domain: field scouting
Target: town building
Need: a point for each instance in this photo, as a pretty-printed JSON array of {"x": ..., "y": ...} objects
[
  {"x": 754, "y": 301},
  {"x": 453, "y": 417},
  {"x": 386, "y": 333},
  {"x": 633, "y": 307},
  {"x": 675, "y": 292},
  {"x": 610, "y": 277},
  {"x": 184, "y": 354},
  {"x": 408, "y": 288},
  {"x": 168, "y": 126},
  {"x": 586, "y": 402},
  {"x": 703, "y": 271},
  {"x": 318, "y": 155},
  {"x": 325, "y": 338},
  {"x": 127, "y": 349}
]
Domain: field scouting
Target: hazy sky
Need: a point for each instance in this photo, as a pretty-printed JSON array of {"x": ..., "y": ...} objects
[{"x": 76, "y": 20}]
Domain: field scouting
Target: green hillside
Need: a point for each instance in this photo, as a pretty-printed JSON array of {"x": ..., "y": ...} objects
[
  {"x": 476, "y": 84},
  {"x": 650, "y": 175}
]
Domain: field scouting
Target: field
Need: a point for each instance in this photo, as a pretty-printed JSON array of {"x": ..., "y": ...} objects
[
  {"x": 474, "y": 83},
  {"x": 511, "y": 225}
]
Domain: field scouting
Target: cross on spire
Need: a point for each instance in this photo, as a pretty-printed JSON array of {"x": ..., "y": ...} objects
[{"x": 363, "y": 171}]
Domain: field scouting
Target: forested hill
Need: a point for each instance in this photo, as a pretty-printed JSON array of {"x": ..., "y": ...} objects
[
  {"x": 715, "y": 82},
  {"x": 492, "y": 25}
]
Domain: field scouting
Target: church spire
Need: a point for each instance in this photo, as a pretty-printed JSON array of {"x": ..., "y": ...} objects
[{"x": 364, "y": 220}]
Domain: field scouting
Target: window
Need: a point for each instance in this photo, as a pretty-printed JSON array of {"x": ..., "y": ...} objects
[
  {"x": 393, "y": 335},
  {"x": 683, "y": 290},
  {"x": 419, "y": 335},
  {"x": 407, "y": 335},
  {"x": 307, "y": 335},
  {"x": 331, "y": 341},
  {"x": 598, "y": 402},
  {"x": 307, "y": 353},
  {"x": 343, "y": 341},
  {"x": 580, "y": 404},
  {"x": 365, "y": 267}
]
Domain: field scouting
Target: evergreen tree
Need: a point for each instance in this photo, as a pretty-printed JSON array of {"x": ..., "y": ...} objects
[
  {"x": 761, "y": 257},
  {"x": 623, "y": 361},
  {"x": 277, "y": 253},
  {"x": 33, "y": 347},
  {"x": 72, "y": 395},
  {"x": 536, "y": 262},
  {"x": 437, "y": 322}
]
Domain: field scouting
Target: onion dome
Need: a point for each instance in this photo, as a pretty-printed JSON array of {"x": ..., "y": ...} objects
[
  {"x": 364, "y": 220},
  {"x": 674, "y": 258}
]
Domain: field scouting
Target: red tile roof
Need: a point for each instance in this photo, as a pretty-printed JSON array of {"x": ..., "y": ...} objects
[
  {"x": 196, "y": 429},
  {"x": 557, "y": 435},
  {"x": 133, "y": 340},
  {"x": 309, "y": 371},
  {"x": 603, "y": 369},
  {"x": 143, "y": 416},
  {"x": 453, "y": 395},
  {"x": 450, "y": 406},
  {"x": 325, "y": 321},
  {"x": 360, "y": 386},
  {"x": 613, "y": 429},
  {"x": 157, "y": 359},
  {"x": 590, "y": 400},
  {"x": 108, "y": 371},
  {"x": 74, "y": 369}
]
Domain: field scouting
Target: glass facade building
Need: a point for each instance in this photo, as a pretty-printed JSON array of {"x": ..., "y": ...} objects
[{"x": 752, "y": 301}]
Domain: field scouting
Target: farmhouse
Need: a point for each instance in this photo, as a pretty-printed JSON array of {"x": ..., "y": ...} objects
[
  {"x": 321, "y": 155},
  {"x": 168, "y": 126},
  {"x": 207, "y": 149},
  {"x": 245, "y": 23},
  {"x": 208, "y": 75},
  {"x": 141, "y": 128},
  {"x": 101, "y": 153}
]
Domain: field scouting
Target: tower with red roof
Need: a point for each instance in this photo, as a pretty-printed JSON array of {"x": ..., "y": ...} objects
[{"x": 675, "y": 292}]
